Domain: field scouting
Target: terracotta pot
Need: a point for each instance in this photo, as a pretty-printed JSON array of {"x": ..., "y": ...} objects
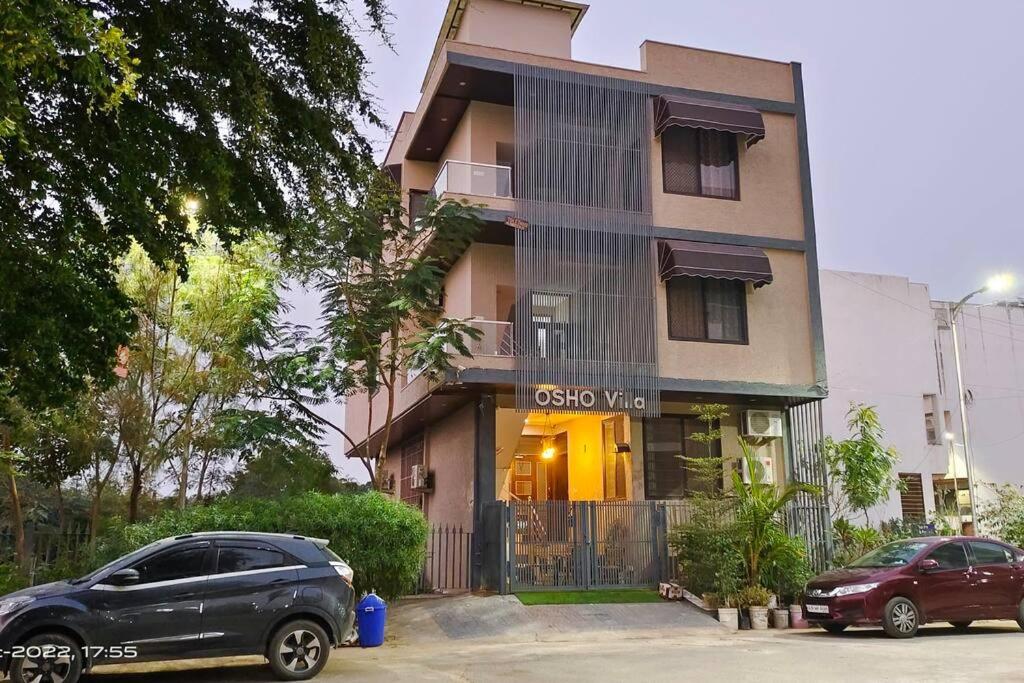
[
  {"x": 780, "y": 617},
  {"x": 796, "y": 617},
  {"x": 730, "y": 618},
  {"x": 759, "y": 618}
]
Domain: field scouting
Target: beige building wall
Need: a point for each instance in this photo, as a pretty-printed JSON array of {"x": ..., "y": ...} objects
[
  {"x": 449, "y": 454},
  {"x": 528, "y": 28},
  {"x": 770, "y": 203},
  {"x": 779, "y": 348}
]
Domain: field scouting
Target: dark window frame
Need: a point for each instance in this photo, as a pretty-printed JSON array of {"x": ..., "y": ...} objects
[
  {"x": 286, "y": 558},
  {"x": 975, "y": 562},
  {"x": 204, "y": 566},
  {"x": 648, "y": 461},
  {"x": 674, "y": 130},
  {"x": 744, "y": 323},
  {"x": 942, "y": 546}
]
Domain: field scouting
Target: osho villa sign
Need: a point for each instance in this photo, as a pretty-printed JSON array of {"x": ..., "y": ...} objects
[{"x": 587, "y": 399}]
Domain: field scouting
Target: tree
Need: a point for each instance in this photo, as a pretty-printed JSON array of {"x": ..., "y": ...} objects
[
  {"x": 381, "y": 287},
  {"x": 115, "y": 114},
  {"x": 189, "y": 355},
  {"x": 860, "y": 466},
  {"x": 759, "y": 509}
]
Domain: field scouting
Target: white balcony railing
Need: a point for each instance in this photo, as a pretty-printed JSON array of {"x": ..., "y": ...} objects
[
  {"x": 496, "y": 340},
  {"x": 463, "y": 177}
]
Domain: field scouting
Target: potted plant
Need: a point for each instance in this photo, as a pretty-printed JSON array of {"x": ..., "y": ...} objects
[
  {"x": 728, "y": 614},
  {"x": 754, "y": 599}
]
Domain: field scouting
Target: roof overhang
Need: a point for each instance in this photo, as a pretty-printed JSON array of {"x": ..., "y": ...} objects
[{"x": 456, "y": 8}]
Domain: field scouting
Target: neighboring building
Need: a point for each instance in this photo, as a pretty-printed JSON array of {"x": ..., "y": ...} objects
[
  {"x": 641, "y": 255},
  {"x": 888, "y": 344}
]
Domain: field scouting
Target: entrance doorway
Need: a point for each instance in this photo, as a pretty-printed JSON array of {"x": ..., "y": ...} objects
[
  {"x": 540, "y": 469},
  {"x": 563, "y": 457}
]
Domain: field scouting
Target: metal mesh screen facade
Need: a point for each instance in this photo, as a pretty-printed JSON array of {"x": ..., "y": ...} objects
[
  {"x": 809, "y": 515},
  {"x": 585, "y": 310}
]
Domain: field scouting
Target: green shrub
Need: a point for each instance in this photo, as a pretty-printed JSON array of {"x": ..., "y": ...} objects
[
  {"x": 786, "y": 569},
  {"x": 383, "y": 540},
  {"x": 753, "y": 596},
  {"x": 11, "y": 578},
  {"x": 1005, "y": 515},
  {"x": 709, "y": 558}
]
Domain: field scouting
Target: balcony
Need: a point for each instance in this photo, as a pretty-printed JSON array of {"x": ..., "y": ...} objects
[{"x": 482, "y": 180}]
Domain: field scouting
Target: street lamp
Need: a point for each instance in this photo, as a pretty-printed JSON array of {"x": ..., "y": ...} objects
[{"x": 996, "y": 283}]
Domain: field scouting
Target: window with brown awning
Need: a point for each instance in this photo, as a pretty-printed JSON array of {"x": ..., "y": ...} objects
[
  {"x": 688, "y": 112},
  {"x": 680, "y": 258}
]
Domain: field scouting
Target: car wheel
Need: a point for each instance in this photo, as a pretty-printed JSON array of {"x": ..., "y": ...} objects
[
  {"x": 901, "y": 618},
  {"x": 834, "y": 629},
  {"x": 1020, "y": 614},
  {"x": 298, "y": 650},
  {"x": 49, "y": 658},
  {"x": 960, "y": 626}
]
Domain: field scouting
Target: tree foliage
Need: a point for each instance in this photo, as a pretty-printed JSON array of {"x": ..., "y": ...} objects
[
  {"x": 189, "y": 357},
  {"x": 381, "y": 302},
  {"x": 114, "y": 112},
  {"x": 860, "y": 467},
  {"x": 759, "y": 513}
]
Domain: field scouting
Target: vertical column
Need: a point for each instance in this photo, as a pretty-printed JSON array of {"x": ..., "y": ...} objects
[{"x": 484, "y": 549}]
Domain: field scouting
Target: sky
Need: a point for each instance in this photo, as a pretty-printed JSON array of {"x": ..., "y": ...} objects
[{"x": 915, "y": 149}]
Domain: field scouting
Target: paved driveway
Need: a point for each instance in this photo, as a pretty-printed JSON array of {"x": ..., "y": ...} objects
[{"x": 991, "y": 652}]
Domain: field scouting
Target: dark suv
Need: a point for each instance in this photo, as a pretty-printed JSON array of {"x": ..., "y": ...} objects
[{"x": 288, "y": 598}]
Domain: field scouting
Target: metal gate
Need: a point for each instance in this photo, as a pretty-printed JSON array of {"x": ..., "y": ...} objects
[{"x": 584, "y": 544}]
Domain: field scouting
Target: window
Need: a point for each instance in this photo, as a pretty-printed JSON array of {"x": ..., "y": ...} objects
[
  {"x": 950, "y": 556},
  {"x": 700, "y": 162},
  {"x": 550, "y": 313},
  {"x": 990, "y": 553},
  {"x": 912, "y": 497},
  {"x": 706, "y": 309},
  {"x": 931, "y": 429},
  {"x": 412, "y": 454},
  {"x": 667, "y": 444},
  {"x": 247, "y": 558},
  {"x": 417, "y": 205},
  {"x": 169, "y": 566}
]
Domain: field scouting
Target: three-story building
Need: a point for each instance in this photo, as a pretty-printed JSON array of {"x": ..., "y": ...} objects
[{"x": 649, "y": 246}]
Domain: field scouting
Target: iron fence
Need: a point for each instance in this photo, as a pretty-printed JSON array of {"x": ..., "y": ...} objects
[{"x": 448, "y": 560}]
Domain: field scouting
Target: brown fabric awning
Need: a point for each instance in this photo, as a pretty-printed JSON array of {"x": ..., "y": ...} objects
[
  {"x": 688, "y": 112},
  {"x": 679, "y": 258}
]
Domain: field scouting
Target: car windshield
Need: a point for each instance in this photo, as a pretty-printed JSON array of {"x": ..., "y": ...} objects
[
  {"x": 895, "y": 554},
  {"x": 130, "y": 556}
]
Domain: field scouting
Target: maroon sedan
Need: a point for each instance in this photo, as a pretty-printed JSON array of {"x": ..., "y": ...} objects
[{"x": 904, "y": 584}]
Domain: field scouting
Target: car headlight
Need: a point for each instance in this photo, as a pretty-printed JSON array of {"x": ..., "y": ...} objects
[
  {"x": 10, "y": 604},
  {"x": 853, "y": 589}
]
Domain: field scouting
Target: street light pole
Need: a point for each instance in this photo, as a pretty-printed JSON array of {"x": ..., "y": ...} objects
[{"x": 998, "y": 283}]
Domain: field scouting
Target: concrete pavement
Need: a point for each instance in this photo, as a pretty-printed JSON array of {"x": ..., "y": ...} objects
[{"x": 992, "y": 651}]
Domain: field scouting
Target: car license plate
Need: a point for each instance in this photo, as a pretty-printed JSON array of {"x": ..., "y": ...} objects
[{"x": 818, "y": 609}]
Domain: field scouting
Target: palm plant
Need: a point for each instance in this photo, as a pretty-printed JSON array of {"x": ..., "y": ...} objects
[{"x": 759, "y": 509}]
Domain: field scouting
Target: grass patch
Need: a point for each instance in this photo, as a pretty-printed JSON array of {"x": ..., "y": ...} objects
[{"x": 591, "y": 597}]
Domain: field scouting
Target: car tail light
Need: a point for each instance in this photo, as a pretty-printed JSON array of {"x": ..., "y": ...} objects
[{"x": 344, "y": 571}]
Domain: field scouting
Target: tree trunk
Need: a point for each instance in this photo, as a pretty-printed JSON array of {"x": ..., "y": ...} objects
[
  {"x": 94, "y": 517},
  {"x": 204, "y": 463},
  {"x": 134, "y": 494},
  {"x": 62, "y": 517},
  {"x": 17, "y": 521}
]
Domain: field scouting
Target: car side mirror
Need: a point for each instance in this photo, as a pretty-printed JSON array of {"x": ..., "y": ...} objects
[
  {"x": 123, "y": 577},
  {"x": 927, "y": 565}
]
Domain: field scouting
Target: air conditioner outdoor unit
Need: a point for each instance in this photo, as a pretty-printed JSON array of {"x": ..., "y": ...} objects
[
  {"x": 420, "y": 478},
  {"x": 762, "y": 423},
  {"x": 766, "y": 469}
]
